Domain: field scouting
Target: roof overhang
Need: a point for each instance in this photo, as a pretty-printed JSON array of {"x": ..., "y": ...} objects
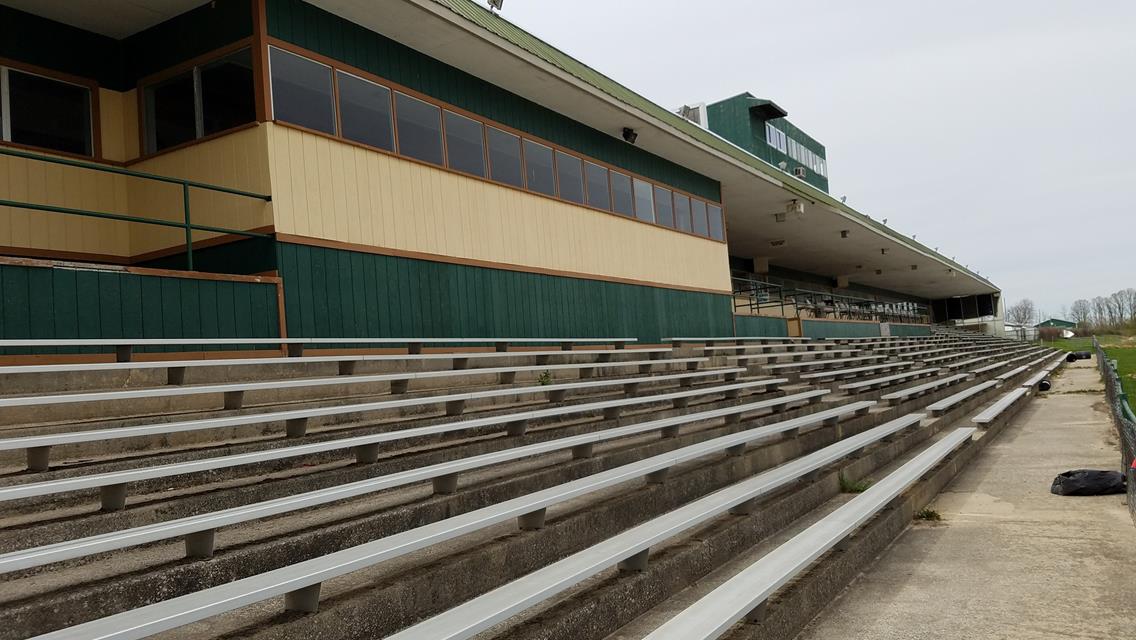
[
  {"x": 766, "y": 109},
  {"x": 752, "y": 190},
  {"x": 115, "y": 18}
]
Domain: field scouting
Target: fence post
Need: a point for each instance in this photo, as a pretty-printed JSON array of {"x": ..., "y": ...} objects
[{"x": 188, "y": 227}]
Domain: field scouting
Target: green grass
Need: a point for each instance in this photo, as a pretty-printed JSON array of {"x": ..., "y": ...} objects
[
  {"x": 1126, "y": 368},
  {"x": 853, "y": 486},
  {"x": 1081, "y": 344},
  {"x": 929, "y": 514}
]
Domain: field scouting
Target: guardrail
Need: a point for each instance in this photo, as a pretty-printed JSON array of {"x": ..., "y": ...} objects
[
  {"x": 186, "y": 222},
  {"x": 1122, "y": 418}
]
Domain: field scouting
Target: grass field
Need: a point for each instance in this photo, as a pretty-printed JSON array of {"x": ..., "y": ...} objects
[
  {"x": 1120, "y": 348},
  {"x": 1126, "y": 367}
]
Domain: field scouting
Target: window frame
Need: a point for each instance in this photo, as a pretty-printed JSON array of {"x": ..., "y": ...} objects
[
  {"x": 339, "y": 113},
  {"x": 193, "y": 67},
  {"x": 92, "y": 108}
]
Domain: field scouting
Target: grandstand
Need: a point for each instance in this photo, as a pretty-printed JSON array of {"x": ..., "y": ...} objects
[{"x": 352, "y": 320}]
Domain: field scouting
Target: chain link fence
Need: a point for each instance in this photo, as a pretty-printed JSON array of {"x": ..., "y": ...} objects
[{"x": 1122, "y": 418}]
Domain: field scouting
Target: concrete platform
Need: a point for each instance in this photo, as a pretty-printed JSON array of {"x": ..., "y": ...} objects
[{"x": 1009, "y": 559}]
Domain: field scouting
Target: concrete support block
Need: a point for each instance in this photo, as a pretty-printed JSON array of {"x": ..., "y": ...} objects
[
  {"x": 507, "y": 377},
  {"x": 658, "y": 477},
  {"x": 793, "y": 433},
  {"x": 455, "y": 407},
  {"x": 199, "y": 544},
  {"x": 644, "y": 369},
  {"x": 414, "y": 347},
  {"x": 845, "y": 543},
  {"x": 612, "y": 413},
  {"x": 581, "y": 451},
  {"x": 670, "y": 432},
  {"x": 831, "y": 422},
  {"x": 400, "y": 386},
  {"x": 680, "y": 403},
  {"x": 692, "y": 366},
  {"x": 863, "y": 411},
  {"x": 588, "y": 372},
  {"x": 733, "y": 375},
  {"x": 744, "y": 508},
  {"x": 733, "y": 418},
  {"x": 543, "y": 359},
  {"x": 604, "y": 357},
  {"x": 123, "y": 353},
  {"x": 501, "y": 347},
  {"x": 347, "y": 367},
  {"x": 305, "y": 600},
  {"x": 367, "y": 453},
  {"x": 446, "y": 485},
  {"x": 112, "y": 497},
  {"x": 557, "y": 395},
  {"x": 637, "y": 562},
  {"x": 296, "y": 427},
  {"x": 732, "y": 394},
  {"x": 234, "y": 399},
  {"x": 736, "y": 450},
  {"x": 461, "y": 363},
  {"x": 566, "y": 346},
  {"x": 39, "y": 458},
  {"x": 631, "y": 388},
  {"x": 619, "y": 344},
  {"x": 175, "y": 375},
  {"x": 533, "y": 520},
  {"x": 756, "y": 615},
  {"x": 517, "y": 428},
  {"x": 295, "y": 350}
]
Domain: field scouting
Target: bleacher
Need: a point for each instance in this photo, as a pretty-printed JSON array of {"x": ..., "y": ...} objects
[{"x": 476, "y": 491}]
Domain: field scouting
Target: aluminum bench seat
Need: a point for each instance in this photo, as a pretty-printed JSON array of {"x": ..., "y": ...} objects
[
  {"x": 885, "y": 381},
  {"x": 896, "y": 397},
  {"x": 209, "y": 522},
  {"x": 806, "y": 365},
  {"x": 631, "y": 547},
  {"x": 1002, "y": 377},
  {"x": 837, "y": 374},
  {"x": 950, "y": 402},
  {"x": 1004, "y": 402},
  {"x": 112, "y": 485},
  {"x": 743, "y": 595}
]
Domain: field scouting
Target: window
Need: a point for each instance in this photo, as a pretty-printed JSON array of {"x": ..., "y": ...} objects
[
  {"x": 644, "y": 201},
  {"x": 570, "y": 177},
  {"x": 505, "y": 157},
  {"x": 419, "y": 129},
  {"x": 465, "y": 144},
  {"x": 682, "y": 212},
  {"x": 365, "y": 111},
  {"x": 664, "y": 207},
  {"x": 171, "y": 114},
  {"x": 698, "y": 217},
  {"x": 538, "y": 168},
  {"x": 714, "y": 218},
  {"x": 599, "y": 194},
  {"x": 227, "y": 96},
  {"x": 47, "y": 113},
  {"x": 775, "y": 137},
  {"x": 301, "y": 91},
  {"x": 622, "y": 200}
]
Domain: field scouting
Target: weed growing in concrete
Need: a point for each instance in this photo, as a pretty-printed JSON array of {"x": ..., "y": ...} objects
[
  {"x": 928, "y": 514},
  {"x": 853, "y": 486},
  {"x": 545, "y": 378}
]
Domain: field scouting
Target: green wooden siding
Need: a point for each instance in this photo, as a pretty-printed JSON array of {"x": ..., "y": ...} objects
[
  {"x": 760, "y": 326},
  {"x": 818, "y": 329},
  {"x": 246, "y": 257},
  {"x": 330, "y": 292},
  {"x": 119, "y": 64},
  {"x": 302, "y": 24},
  {"x": 910, "y": 329},
  {"x": 59, "y": 302}
]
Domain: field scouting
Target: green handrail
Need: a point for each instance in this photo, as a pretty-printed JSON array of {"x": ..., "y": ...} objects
[{"x": 186, "y": 223}]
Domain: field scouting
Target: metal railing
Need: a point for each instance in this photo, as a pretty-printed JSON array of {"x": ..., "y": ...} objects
[
  {"x": 186, "y": 222},
  {"x": 755, "y": 295},
  {"x": 1122, "y": 418}
]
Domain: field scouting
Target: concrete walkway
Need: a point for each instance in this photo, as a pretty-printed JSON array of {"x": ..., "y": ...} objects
[{"x": 1009, "y": 559}]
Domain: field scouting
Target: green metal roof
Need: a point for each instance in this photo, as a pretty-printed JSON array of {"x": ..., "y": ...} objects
[{"x": 482, "y": 17}]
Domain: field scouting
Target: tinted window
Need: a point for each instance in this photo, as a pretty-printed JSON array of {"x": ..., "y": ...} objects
[
  {"x": 365, "y": 111},
  {"x": 227, "y": 96},
  {"x": 170, "y": 112},
  {"x": 714, "y": 219},
  {"x": 622, "y": 200},
  {"x": 538, "y": 168},
  {"x": 419, "y": 129},
  {"x": 465, "y": 146},
  {"x": 599, "y": 194},
  {"x": 664, "y": 209},
  {"x": 682, "y": 212},
  {"x": 698, "y": 217},
  {"x": 504, "y": 157},
  {"x": 570, "y": 177},
  {"x": 301, "y": 91},
  {"x": 644, "y": 201}
]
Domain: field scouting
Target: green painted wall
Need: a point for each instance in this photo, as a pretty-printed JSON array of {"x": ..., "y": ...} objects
[
  {"x": 58, "y": 302},
  {"x": 302, "y": 24},
  {"x": 330, "y": 292},
  {"x": 732, "y": 119},
  {"x": 910, "y": 330},
  {"x": 246, "y": 257},
  {"x": 754, "y": 326},
  {"x": 119, "y": 64},
  {"x": 817, "y": 329}
]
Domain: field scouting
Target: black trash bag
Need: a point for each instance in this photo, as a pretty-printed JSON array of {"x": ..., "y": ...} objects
[
  {"x": 1088, "y": 482},
  {"x": 1044, "y": 385}
]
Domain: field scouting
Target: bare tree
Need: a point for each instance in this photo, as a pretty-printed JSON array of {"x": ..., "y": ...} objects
[
  {"x": 1100, "y": 312},
  {"x": 1081, "y": 313},
  {"x": 1022, "y": 312},
  {"x": 1064, "y": 313}
]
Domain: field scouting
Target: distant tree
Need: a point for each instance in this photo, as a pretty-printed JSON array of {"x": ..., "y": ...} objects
[
  {"x": 1081, "y": 313},
  {"x": 1100, "y": 312},
  {"x": 1022, "y": 312},
  {"x": 1064, "y": 313}
]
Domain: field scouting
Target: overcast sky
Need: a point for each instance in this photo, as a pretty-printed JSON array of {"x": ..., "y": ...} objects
[{"x": 1000, "y": 132}]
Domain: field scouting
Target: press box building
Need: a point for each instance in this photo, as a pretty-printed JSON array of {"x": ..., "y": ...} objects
[{"x": 323, "y": 168}]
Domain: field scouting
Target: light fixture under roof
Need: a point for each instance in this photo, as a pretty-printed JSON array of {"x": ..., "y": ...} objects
[
  {"x": 883, "y": 252},
  {"x": 776, "y": 243},
  {"x": 844, "y": 233},
  {"x": 779, "y": 217}
]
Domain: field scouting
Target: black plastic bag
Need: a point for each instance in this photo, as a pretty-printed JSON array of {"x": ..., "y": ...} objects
[{"x": 1088, "y": 482}]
